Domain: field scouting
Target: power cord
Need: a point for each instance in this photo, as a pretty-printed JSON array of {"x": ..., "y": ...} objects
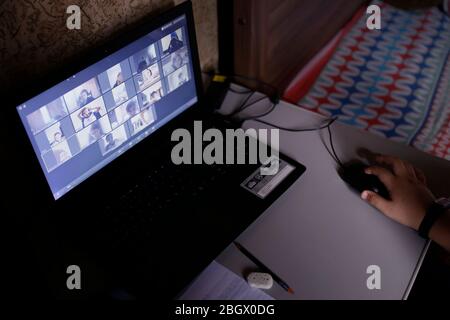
[
  {"x": 329, "y": 123},
  {"x": 334, "y": 155},
  {"x": 257, "y": 118},
  {"x": 271, "y": 109},
  {"x": 327, "y": 126},
  {"x": 244, "y": 106},
  {"x": 275, "y": 100}
]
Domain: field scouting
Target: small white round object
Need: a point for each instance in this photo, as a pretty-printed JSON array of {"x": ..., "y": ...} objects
[{"x": 260, "y": 280}]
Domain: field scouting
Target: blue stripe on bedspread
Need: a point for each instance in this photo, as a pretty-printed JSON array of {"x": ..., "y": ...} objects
[{"x": 394, "y": 82}]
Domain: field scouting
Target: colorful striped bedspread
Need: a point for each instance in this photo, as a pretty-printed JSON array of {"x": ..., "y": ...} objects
[{"x": 394, "y": 82}]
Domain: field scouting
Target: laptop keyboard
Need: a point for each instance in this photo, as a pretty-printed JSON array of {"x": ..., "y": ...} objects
[{"x": 165, "y": 189}]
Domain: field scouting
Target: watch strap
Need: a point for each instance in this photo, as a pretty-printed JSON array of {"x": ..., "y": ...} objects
[
  {"x": 445, "y": 202},
  {"x": 432, "y": 215}
]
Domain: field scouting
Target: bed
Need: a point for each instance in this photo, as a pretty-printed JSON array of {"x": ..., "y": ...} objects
[{"x": 394, "y": 82}]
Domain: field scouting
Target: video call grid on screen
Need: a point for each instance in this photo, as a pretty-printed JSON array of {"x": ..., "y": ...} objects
[{"x": 85, "y": 122}]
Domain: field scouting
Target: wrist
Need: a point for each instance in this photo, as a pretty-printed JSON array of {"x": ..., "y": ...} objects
[
  {"x": 421, "y": 214},
  {"x": 431, "y": 217},
  {"x": 439, "y": 233}
]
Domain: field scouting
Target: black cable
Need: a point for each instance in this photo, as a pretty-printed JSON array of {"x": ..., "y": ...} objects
[
  {"x": 272, "y": 109},
  {"x": 330, "y": 152},
  {"x": 336, "y": 157},
  {"x": 330, "y": 122},
  {"x": 275, "y": 100},
  {"x": 257, "y": 118},
  {"x": 327, "y": 126},
  {"x": 244, "y": 106}
]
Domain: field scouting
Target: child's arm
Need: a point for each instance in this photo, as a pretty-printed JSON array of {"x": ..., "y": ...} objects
[{"x": 411, "y": 198}]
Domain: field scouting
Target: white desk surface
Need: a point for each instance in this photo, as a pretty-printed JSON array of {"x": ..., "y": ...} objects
[{"x": 320, "y": 237}]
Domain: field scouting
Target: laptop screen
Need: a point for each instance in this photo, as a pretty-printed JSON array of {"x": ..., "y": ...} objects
[{"x": 85, "y": 122}]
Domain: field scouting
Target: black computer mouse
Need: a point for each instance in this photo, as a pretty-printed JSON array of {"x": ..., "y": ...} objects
[{"x": 353, "y": 173}]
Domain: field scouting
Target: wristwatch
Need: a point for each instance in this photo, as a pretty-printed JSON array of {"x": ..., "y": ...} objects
[
  {"x": 444, "y": 202},
  {"x": 438, "y": 208}
]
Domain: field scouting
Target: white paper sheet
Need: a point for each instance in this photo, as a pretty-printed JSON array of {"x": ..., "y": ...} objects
[{"x": 219, "y": 283}]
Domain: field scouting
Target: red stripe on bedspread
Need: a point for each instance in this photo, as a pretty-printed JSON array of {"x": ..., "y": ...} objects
[{"x": 393, "y": 82}]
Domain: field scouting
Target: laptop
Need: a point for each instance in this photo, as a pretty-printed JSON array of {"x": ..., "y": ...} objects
[{"x": 92, "y": 172}]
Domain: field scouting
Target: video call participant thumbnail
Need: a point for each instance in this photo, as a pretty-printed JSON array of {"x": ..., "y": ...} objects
[
  {"x": 115, "y": 76},
  {"x": 143, "y": 120},
  {"x": 178, "y": 78},
  {"x": 152, "y": 94},
  {"x": 120, "y": 94},
  {"x": 113, "y": 140},
  {"x": 124, "y": 112},
  {"x": 143, "y": 59},
  {"x": 175, "y": 61},
  {"x": 82, "y": 95},
  {"x": 147, "y": 77},
  {"x": 55, "y": 134},
  {"x": 93, "y": 133},
  {"x": 47, "y": 115},
  {"x": 173, "y": 42},
  {"x": 58, "y": 155},
  {"x": 88, "y": 114}
]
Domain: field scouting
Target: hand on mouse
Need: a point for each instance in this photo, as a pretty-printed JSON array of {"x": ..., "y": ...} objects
[{"x": 407, "y": 186}]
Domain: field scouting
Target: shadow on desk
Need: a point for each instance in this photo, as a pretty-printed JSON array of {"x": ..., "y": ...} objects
[{"x": 433, "y": 280}]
